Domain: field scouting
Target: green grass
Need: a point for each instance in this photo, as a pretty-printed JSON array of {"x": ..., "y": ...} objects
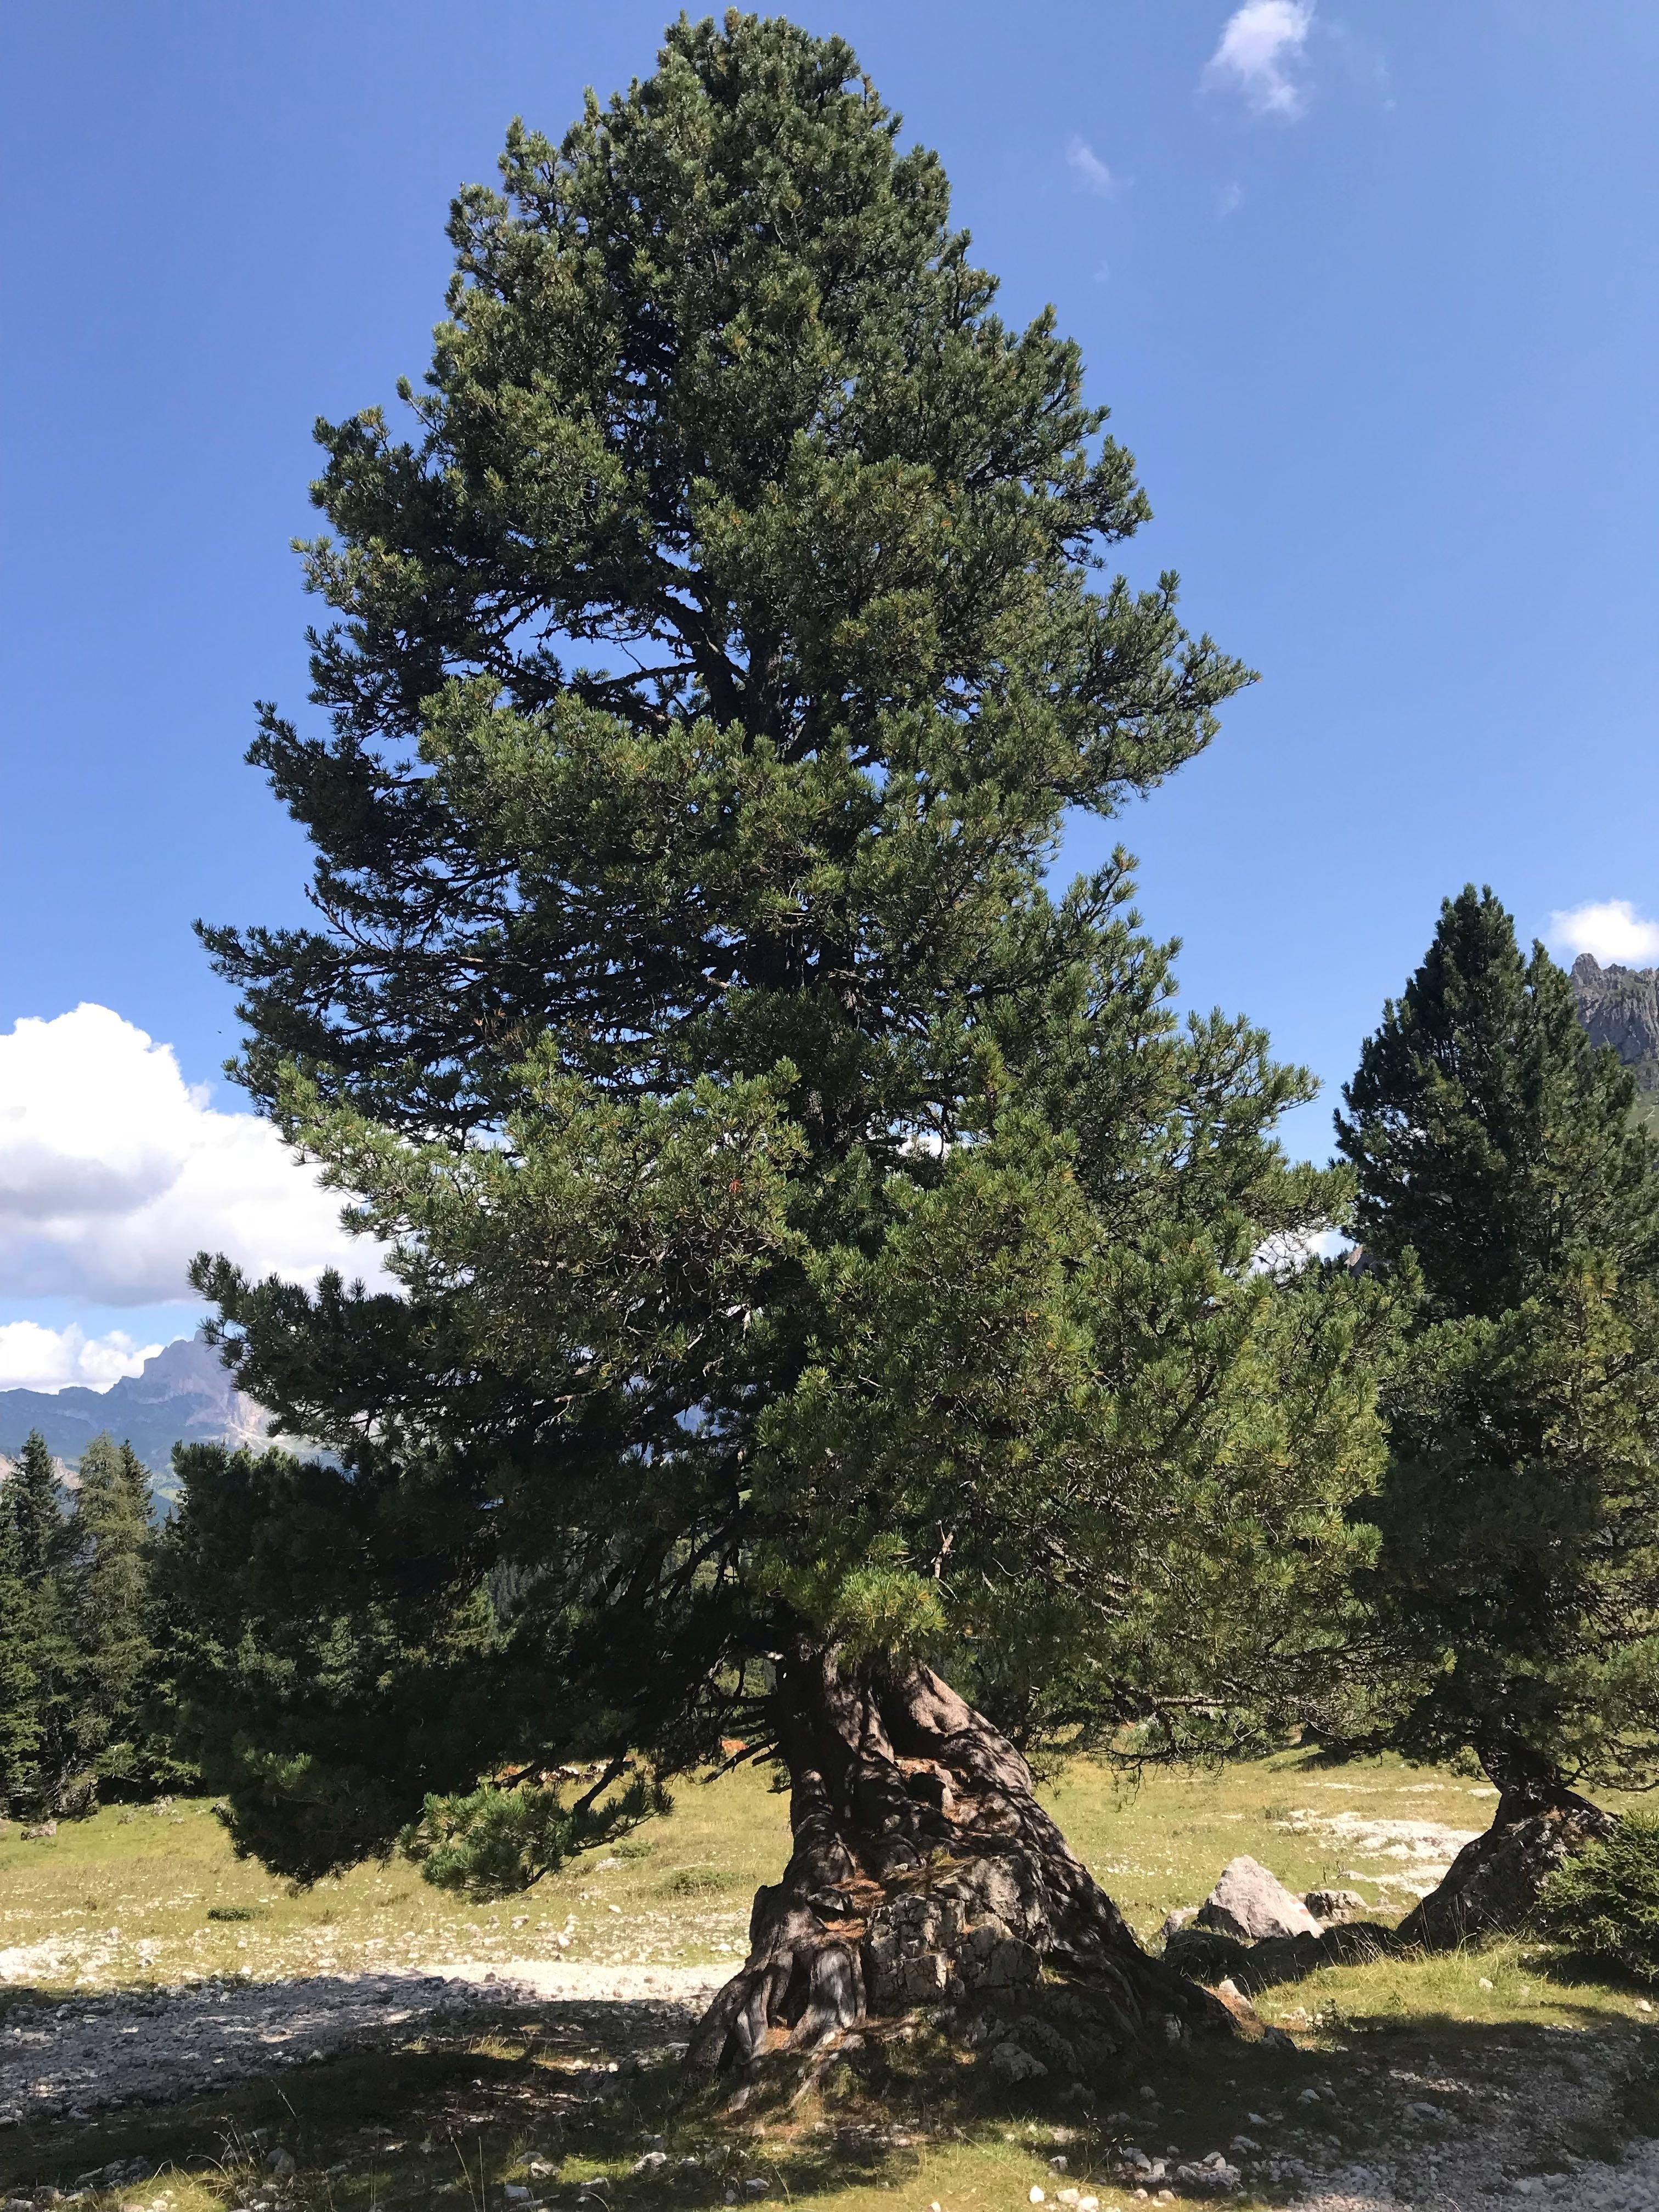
[
  {"x": 126, "y": 1898},
  {"x": 138, "y": 1895},
  {"x": 155, "y": 1895}
]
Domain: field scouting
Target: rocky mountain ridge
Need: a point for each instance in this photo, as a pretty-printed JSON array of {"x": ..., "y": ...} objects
[
  {"x": 1619, "y": 1006},
  {"x": 183, "y": 1395}
]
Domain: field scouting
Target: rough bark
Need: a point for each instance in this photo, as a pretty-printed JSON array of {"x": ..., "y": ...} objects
[
  {"x": 1491, "y": 1886},
  {"x": 925, "y": 1872}
]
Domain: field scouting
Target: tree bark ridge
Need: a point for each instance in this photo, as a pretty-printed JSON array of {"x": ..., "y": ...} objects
[{"x": 924, "y": 1872}]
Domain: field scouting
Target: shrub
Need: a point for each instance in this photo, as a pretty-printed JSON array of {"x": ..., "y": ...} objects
[
  {"x": 1605, "y": 1900},
  {"x": 495, "y": 1841}
]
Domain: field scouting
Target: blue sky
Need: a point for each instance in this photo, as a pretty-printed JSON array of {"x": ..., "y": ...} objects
[{"x": 1370, "y": 289}]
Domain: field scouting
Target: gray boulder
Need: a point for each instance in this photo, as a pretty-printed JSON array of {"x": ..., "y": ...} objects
[
  {"x": 1249, "y": 1903},
  {"x": 1335, "y": 1906},
  {"x": 1206, "y": 1955},
  {"x": 1010, "y": 2064}
]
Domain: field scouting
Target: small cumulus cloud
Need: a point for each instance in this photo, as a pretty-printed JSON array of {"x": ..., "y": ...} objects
[
  {"x": 1609, "y": 930},
  {"x": 34, "y": 1357},
  {"x": 1260, "y": 46},
  {"x": 1090, "y": 172},
  {"x": 114, "y": 1172}
]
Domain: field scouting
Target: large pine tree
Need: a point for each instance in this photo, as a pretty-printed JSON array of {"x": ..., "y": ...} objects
[
  {"x": 821, "y": 1263},
  {"x": 1517, "y": 1584}
]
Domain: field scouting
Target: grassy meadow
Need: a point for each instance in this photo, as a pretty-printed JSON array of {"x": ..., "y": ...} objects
[{"x": 149, "y": 1897}]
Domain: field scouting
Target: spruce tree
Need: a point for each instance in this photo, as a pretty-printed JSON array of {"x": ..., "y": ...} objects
[
  {"x": 1487, "y": 1133},
  {"x": 20, "y": 1713},
  {"x": 822, "y": 1266},
  {"x": 1517, "y": 1584},
  {"x": 107, "y": 1591},
  {"x": 37, "y": 1512},
  {"x": 37, "y": 1517}
]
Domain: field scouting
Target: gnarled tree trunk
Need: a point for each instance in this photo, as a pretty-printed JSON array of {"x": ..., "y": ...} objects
[
  {"x": 924, "y": 1872},
  {"x": 1491, "y": 1886}
]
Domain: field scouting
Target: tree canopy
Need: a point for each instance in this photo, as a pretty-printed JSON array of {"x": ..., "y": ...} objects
[
  {"x": 20, "y": 1702},
  {"x": 807, "y": 1230}
]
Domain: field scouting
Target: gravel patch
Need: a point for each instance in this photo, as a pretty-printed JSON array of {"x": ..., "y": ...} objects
[
  {"x": 1632, "y": 2185},
  {"x": 1485, "y": 2133},
  {"x": 88, "y": 2055},
  {"x": 1408, "y": 1855}
]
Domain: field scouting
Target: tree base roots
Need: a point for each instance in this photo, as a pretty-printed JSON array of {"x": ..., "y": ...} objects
[
  {"x": 924, "y": 1874},
  {"x": 1492, "y": 1885}
]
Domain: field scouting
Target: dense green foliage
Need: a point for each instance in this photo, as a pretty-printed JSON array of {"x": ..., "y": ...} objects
[
  {"x": 80, "y": 1684},
  {"x": 497, "y": 1839},
  {"x": 803, "y": 1226},
  {"x": 1605, "y": 1899},
  {"x": 36, "y": 1512},
  {"x": 1517, "y": 1583}
]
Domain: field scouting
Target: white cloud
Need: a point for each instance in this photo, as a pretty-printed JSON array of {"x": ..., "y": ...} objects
[
  {"x": 1610, "y": 930},
  {"x": 1289, "y": 1251},
  {"x": 36, "y": 1359},
  {"x": 1090, "y": 172},
  {"x": 1260, "y": 41},
  {"x": 113, "y": 1172},
  {"x": 1229, "y": 200}
]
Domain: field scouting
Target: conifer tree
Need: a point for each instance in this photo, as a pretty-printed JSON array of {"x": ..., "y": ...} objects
[
  {"x": 108, "y": 1589},
  {"x": 19, "y": 1714},
  {"x": 1487, "y": 1133},
  {"x": 1518, "y": 1578},
  {"x": 31, "y": 1496},
  {"x": 821, "y": 1263},
  {"x": 37, "y": 1512}
]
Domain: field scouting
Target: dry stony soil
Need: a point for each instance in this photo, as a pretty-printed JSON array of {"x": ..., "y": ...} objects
[{"x": 180, "y": 2033}]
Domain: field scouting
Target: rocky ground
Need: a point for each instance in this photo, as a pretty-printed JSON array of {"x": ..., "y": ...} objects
[
  {"x": 89, "y": 2056},
  {"x": 1500, "y": 2129}
]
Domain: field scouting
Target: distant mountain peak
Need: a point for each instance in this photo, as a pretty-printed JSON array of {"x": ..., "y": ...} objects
[{"x": 183, "y": 1395}]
